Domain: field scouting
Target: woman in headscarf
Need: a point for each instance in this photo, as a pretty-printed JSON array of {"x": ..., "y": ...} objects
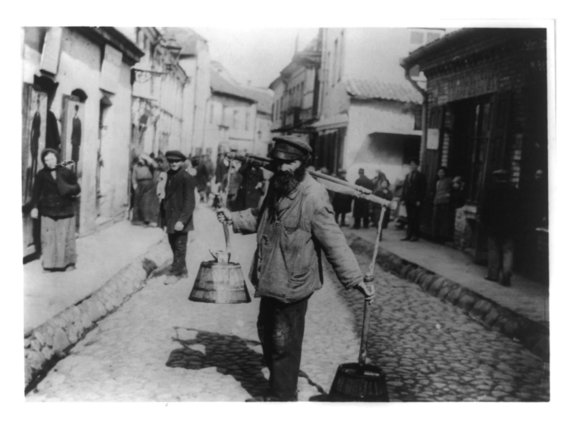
[
  {"x": 55, "y": 189},
  {"x": 145, "y": 208}
]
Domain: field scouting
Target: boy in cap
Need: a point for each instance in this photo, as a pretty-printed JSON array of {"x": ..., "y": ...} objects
[
  {"x": 177, "y": 209},
  {"x": 294, "y": 224}
]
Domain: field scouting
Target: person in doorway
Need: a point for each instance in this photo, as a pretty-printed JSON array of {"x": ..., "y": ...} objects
[
  {"x": 178, "y": 209},
  {"x": 294, "y": 223},
  {"x": 499, "y": 217},
  {"x": 35, "y": 134},
  {"x": 341, "y": 202},
  {"x": 442, "y": 206},
  {"x": 413, "y": 194},
  {"x": 55, "y": 189},
  {"x": 75, "y": 135},
  {"x": 361, "y": 209},
  {"x": 457, "y": 198}
]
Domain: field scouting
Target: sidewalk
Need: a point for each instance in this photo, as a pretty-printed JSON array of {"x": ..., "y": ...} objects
[
  {"x": 524, "y": 304},
  {"x": 101, "y": 256}
]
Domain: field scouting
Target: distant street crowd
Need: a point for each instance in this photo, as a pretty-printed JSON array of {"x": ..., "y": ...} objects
[{"x": 241, "y": 185}]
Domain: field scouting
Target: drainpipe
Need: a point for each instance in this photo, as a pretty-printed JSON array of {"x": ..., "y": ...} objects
[{"x": 424, "y": 94}]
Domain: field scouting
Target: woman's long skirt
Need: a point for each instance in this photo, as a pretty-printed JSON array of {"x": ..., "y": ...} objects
[
  {"x": 442, "y": 222},
  {"x": 58, "y": 242},
  {"x": 145, "y": 207}
]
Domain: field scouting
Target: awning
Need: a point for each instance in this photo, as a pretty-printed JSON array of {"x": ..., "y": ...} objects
[{"x": 337, "y": 121}]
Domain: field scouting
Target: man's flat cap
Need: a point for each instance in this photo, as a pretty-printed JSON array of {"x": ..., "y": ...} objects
[
  {"x": 289, "y": 148},
  {"x": 175, "y": 155}
]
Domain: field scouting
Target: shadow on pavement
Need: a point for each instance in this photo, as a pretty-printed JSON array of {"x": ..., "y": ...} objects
[{"x": 231, "y": 355}]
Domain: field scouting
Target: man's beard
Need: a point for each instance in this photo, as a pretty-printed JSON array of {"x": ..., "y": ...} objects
[{"x": 284, "y": 182}]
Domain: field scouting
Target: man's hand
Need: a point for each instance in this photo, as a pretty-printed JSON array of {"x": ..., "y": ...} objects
[
  {"x": 224, "y": 215},
  {"x": 367, "y": 289},
  {"x": 178, "y": 226},
  {"x": 34, "y": 213}
]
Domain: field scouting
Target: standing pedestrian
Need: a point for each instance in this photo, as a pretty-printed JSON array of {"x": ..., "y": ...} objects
[
  {"x": 341, "y": 202},
  {"x": 499, "y": 217},
  {"x": 294, "y": 223},
  {"x": 442, "y": 206},
  {"x": 55, "y": 189},
  {"x": 413, "y": 194},
  {"x": 178, "y": 208},
  {"x": 252, "y": 185},
  {"x": 380, "y": 177},
  {"x": 210, "y": 170},
  {"x": 382, "y": 190},
  {"x": 234, "y": 187},
  {"x": 145, "y": 202},
  {"x": 361, "y": 209},
  {"x": 202, "y": 176}
]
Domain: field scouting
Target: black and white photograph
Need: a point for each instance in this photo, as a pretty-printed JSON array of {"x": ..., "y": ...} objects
[{"x": 319, "y": 215}]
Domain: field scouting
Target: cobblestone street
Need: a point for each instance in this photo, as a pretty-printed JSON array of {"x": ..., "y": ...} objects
[{"x": 160, "y": 346}]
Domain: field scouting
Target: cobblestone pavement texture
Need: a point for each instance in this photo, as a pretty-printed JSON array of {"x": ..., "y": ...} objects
[{"x": 159, "y": 346}]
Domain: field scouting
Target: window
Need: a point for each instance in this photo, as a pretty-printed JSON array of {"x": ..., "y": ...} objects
[
  {"x": 211, "y": 113},
  {"x": 417, "y": 118},
  {"x": 431, "y": 36},
  {"x": 235, "y": 119},
  {"x": 247, "y": 117},
  {"x": 417, "y": 37}
]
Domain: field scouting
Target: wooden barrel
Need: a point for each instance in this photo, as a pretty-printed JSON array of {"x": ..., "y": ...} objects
[{"x": 220, "y": 283}]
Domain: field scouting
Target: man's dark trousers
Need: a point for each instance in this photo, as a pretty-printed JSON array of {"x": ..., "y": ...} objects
[
  {"x": 178, "y": 242},
  {"x": 413, "y": 212},
  {"x": 281, "y": 327}
]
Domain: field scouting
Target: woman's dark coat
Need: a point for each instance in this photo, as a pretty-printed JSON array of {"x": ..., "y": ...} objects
[{"x": 55, "y": 197}]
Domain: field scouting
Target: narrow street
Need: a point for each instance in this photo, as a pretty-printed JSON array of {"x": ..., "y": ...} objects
[{"x": 160, "y": 346}]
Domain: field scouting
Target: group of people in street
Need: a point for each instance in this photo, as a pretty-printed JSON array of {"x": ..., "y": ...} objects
[
  {"x": 296, "y": 221},
  {"x": 165, "y": 189},
  {"x": 363, "y": 212}
]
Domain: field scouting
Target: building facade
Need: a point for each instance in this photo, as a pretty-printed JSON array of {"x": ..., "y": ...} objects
[
  {"x": 487, "y": 109},
  {"x": 369, "y": 113},
  {"x": 194, "y": 59},
  {"x": 295, "y": 94},
  {"x": 161, "y": 89},
  {"x": 77, "y": 98},
  {"x": 263, "y": 120},
  {"x": 231, "y": 114}
]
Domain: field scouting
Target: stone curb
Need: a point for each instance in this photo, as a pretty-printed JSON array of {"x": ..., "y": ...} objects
[
  {"x": 51, "y": 341},
  {"x": 531, "y": 334}
]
